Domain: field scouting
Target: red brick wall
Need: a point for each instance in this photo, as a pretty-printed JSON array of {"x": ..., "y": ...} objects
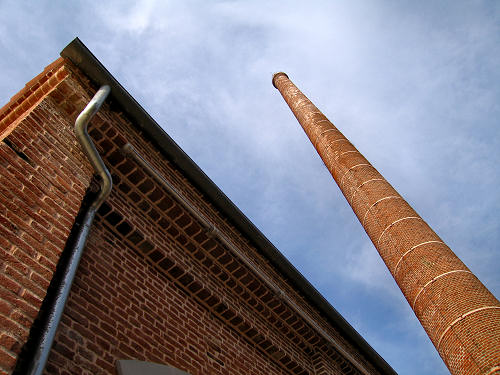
[
  {"x": 188, "y": 301},
  {"x": 461, "y": 317},
  {"x": 43, "y": 178},
  {"x": 121, "y": 308},
  {"x": 152, "y": 284}
]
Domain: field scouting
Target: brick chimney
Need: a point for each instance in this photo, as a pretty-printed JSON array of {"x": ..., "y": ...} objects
[{"x": 461, "y": 317}]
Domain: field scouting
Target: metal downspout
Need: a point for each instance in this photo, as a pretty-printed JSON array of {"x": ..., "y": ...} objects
[{"x": 55, "y": 311}]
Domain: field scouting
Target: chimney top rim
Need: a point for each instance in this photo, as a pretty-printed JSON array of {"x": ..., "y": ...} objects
[{"x": 276, "y": 75}]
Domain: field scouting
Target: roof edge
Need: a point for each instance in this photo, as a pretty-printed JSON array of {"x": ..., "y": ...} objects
[{"x": 84, "y": 59}]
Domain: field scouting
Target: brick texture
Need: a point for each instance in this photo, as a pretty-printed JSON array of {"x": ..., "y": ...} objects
[
  {"x": 30, "y": 96},
  {"x": 43, "y": 179},
  {"x": 152, "y": 283},
  {"x": 461, "y": 317}
]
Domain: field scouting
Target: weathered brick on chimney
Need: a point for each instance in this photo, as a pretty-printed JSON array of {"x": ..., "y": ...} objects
[{"x": 461, "y": 317}]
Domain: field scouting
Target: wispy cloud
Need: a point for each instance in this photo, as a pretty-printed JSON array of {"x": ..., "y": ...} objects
[{"x": 412, "y": 84}]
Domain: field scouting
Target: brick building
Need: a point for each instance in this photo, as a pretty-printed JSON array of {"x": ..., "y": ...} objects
[{"x": 172, "y": 273}]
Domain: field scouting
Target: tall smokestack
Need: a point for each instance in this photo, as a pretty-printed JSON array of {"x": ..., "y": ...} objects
[{"x": 461, "y": 317}]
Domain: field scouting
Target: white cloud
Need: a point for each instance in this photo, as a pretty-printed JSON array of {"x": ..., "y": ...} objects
[
  {"x": 413, "y": 85},
  {"x": 366, "y": 267}
]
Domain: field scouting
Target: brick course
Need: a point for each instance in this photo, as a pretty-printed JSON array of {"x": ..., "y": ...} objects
[{"x": 461, "y": 317}]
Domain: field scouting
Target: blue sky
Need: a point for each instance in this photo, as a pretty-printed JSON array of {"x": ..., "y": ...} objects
[{"x": 414, "y": 85}]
